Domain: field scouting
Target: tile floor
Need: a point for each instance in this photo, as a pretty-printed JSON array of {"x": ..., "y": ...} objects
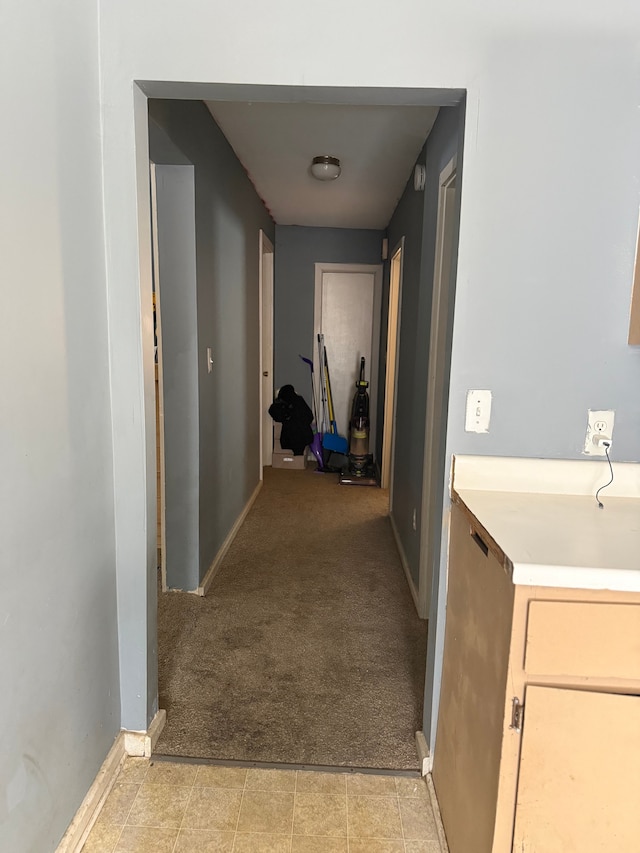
[{"x": 171, "y": 807}]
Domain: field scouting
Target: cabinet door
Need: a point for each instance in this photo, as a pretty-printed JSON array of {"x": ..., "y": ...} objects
[
  {"x": 579, "y": 780},
  {"x": 471, "y": 721}
]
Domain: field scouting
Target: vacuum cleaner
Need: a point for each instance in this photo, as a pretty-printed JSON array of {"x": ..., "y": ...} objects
[{"x": 361, "y": 470}]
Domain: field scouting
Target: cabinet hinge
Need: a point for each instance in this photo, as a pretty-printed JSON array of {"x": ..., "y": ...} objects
[{"x": 517, "y": 713}]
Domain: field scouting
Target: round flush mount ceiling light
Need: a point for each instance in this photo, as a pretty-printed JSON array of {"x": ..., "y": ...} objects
[{"x": 325, "y": 168}]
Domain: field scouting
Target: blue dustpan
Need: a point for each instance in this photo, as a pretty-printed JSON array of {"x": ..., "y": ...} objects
[{"x": 336, "y": 443}]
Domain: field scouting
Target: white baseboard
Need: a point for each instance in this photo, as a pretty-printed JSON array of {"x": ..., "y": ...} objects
[
  {"x": 142, "y": 744},
  {"x": 435, "y": 806},
  {"x": 127, "y": 743},
  {"x": 217, "y": 560},
  {"x": 405, "y": 566},
  {"x": 424, "y": 756},
  {"x": 81, "y": 825}
]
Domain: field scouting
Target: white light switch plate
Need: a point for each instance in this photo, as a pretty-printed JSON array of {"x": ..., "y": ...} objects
[{"x": 478, "y": 413}]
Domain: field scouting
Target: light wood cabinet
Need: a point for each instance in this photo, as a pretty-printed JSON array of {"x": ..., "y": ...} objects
[
  {"x": 558, "y": 772},
  {"x": 579, "y": 779}
]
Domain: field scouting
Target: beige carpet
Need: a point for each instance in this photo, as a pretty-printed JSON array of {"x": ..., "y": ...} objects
[{"x": 307, "y": 649}]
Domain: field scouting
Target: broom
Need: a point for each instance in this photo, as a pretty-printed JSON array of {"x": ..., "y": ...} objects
[{"x": 316, "y": 444}]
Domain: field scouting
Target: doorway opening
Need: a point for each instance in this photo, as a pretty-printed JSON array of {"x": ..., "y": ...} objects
[
  {"x": 262, "y": 361},
  {"x": 347, "y": 300},
  {"x": 266, "y": 348}
]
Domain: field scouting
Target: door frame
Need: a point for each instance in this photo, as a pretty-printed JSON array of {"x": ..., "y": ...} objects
[
  {"x": 437, "y": 387},
  {"x": 159, "y": 386},
  {"x": 391, "y": 373},
  {"x": 322, "y": 268},
  {"x": 130, "y": 313},
  {"x": 266, "y": 319}
]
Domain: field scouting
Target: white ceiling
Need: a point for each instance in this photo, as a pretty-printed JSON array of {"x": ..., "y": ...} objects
[{"x": 376, "y": 145}]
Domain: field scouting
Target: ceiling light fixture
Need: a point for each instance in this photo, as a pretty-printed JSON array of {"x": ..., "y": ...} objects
[
  {"x": 419, "y": 177},
  {"x": 325, "y": 168}
]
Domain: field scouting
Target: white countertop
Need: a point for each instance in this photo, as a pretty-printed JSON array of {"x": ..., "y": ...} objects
[{"x": 553, "y": 538}]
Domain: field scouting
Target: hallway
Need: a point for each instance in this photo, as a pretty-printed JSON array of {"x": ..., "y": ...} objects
[{"x": 307, "y": 649}]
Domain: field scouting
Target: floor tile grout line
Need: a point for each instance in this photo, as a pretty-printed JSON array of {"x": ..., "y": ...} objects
[
  {"x": 117, "y": 841},
  {"x": 140, "y": 784},
  {"x": 404, "y": 840},
  {"x": 346, "y": 799},
  {"x": 184, "y": 814},
  {"x": 295, "y": 797},
  {"x": 235, "y": 832}
]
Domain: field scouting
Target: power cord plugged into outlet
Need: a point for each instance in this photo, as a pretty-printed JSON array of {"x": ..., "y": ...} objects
[{"x": 603, "y": 441}]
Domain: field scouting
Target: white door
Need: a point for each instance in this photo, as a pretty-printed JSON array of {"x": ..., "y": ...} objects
[
  {"x": 347, "y": 313},
  {"x": 266, "y": 348}
]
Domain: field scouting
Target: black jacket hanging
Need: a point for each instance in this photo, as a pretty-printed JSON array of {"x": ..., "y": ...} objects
[{"x": 291, "y": 410}]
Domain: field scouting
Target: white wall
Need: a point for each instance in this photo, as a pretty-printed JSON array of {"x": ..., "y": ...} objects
[
  {"x": 549, "y": 206},
  {"x": 59, "y": 697}
]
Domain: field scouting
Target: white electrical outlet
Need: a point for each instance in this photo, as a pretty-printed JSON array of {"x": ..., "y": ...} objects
[
  {"x": 478, "y": 412},
  {"x": 599, "y": 426}
]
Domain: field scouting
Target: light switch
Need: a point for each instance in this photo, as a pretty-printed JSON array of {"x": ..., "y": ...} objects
[{"x": 478, "y": 413}]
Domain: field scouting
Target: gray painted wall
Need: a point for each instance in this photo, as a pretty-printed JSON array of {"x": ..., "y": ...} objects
[
  {"x": 549, "y": 203},
  {"x": 415, "y": 219},
  {"x": 60, "y": 696},
  {"x": 548, "y": 236},
  {"x": 162, "y": 149},
  {"x": 176, "y": 282},
  {"x": 408, "y": 222},
  {"x": 229, "y": 216},
  {"x": 551, "y": 319},
  {"x": 297, "y": 250}
]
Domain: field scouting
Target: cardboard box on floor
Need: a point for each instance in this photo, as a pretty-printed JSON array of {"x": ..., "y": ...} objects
[{"x": 283, "y": 458}]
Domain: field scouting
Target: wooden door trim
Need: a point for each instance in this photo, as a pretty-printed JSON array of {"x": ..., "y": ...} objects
[
  {"x": 265, "y": 247},
  {"x": 159, "y": 386},
  {"x": 391, "y": 385}
]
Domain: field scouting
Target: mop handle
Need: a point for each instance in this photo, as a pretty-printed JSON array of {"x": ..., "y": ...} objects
[
  {"x": 332, "y": 420},
  {"x": 313, "y": 389},
  {"x": 322, "y": 383}
]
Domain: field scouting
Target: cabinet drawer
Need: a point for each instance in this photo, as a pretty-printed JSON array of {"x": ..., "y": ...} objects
[{"x": 583, "y": 639}]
